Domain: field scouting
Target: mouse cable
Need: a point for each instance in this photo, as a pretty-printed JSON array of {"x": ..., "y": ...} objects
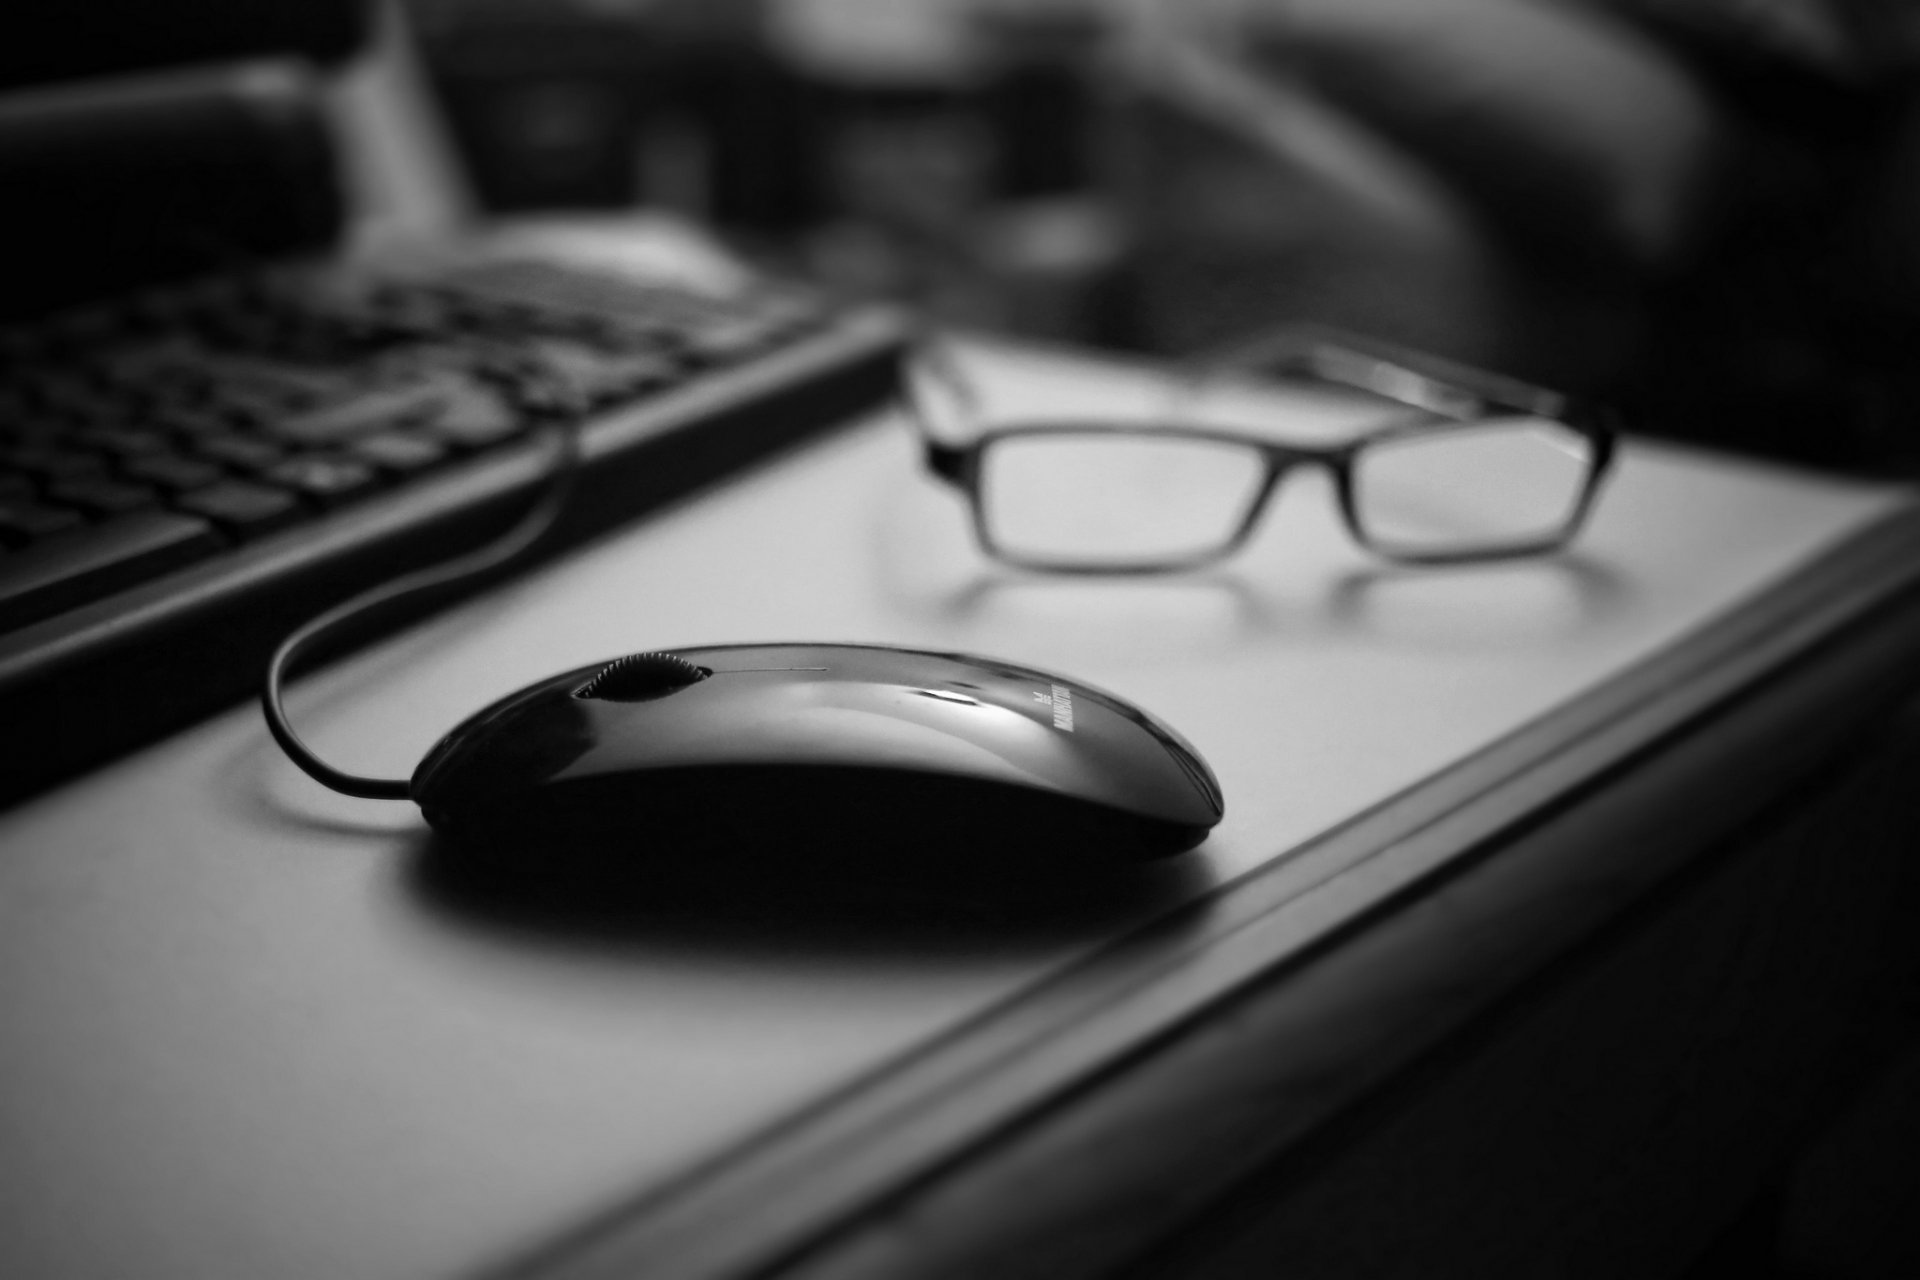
[{"x": 386, "y": 598}]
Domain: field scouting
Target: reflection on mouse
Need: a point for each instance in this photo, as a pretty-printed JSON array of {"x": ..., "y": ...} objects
[{"x": 813, "y": 742}]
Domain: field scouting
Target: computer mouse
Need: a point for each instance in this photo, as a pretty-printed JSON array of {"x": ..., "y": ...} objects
[{"x": 811, "y": 745}]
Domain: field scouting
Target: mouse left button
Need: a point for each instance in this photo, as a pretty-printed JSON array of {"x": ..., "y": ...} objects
[{"x": 640, "y": 677}]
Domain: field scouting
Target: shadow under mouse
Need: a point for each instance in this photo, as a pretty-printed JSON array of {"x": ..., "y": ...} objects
[{"x": 760, "y": 883}]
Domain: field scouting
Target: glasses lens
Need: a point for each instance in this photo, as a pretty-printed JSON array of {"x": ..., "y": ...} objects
[
  {"x": 1109, "y": 499},
  {"x": 1487, "y": 487}
]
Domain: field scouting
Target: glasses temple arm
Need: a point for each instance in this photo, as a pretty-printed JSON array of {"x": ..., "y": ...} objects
[{"x": 1414, "y": 378}]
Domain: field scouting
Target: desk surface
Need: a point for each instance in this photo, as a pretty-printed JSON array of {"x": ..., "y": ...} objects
[{"x": 247, "y": 1032}]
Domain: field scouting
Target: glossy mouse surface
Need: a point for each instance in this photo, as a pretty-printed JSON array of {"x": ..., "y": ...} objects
[{"x": 819, "y": 743}]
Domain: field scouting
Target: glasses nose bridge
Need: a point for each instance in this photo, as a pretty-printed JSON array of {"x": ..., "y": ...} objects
[
  {"x": 1277, "y": 460},
  {"x": 1283, "y": 458}
]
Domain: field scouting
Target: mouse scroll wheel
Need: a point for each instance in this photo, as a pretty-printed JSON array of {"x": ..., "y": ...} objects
[{"x": 640, "y": 676}]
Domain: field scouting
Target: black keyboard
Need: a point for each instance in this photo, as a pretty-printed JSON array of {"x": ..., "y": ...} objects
[{"x": 188, "y": 474}]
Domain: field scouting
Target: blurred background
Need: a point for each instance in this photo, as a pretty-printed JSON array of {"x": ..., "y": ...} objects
[
  {"x": 1706, "y": 211},
  {"x": 1697, "y": 210},
  {"x": 955, "y": 155}
]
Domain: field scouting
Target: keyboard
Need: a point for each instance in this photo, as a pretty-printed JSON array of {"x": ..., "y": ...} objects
[{"x": 188, "y": 474}]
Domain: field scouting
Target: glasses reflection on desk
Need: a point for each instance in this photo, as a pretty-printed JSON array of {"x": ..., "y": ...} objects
[{"x": 1463, "y": 466}]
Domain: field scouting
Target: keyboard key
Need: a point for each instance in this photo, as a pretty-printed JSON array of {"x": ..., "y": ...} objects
[
  {"x": 61, "y": 573},
  {"x": 241, "y": 453},
  {"x": 324, "y": 480},
  {"x": 99, "y": 496},
  {"x": 25, "y": 521},
  {"x": 122, "y": 442},
  {"x": 194, "y": 421},
  {"x": 598, "y": 376},
  {"x": 474, "y": 418},
  {"x": 83, "y": 402},
  {"x": 400, "y": 452},
  {"x": 172, "y": 471},
  {"x": 726, "y": 340},
  {"x": 241, "y": 509},
  {"x": 547, "y": 398},
  {"x": 262, "y": 387},
  {"x": 160, "y": 359},
  {"x": 399, "y": 310},
  {"x": 51, "y": 462},
  {"x": 365, "y": 414}
]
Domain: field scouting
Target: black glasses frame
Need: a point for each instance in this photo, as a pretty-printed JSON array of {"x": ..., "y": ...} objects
[{"x": 1444, "y": 397}]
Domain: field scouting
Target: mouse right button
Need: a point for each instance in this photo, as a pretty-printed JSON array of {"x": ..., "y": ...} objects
[{"x": 1162, "y": 772}]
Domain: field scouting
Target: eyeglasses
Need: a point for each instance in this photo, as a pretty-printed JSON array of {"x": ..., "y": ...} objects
[{"x": 1467, "y": 466}]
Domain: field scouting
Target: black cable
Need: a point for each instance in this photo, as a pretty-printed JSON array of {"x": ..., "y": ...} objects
[{"x": 503, "y": 550}]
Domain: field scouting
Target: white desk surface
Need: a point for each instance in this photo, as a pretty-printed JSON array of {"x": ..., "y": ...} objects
[{"x": 241, "y": 1040}]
